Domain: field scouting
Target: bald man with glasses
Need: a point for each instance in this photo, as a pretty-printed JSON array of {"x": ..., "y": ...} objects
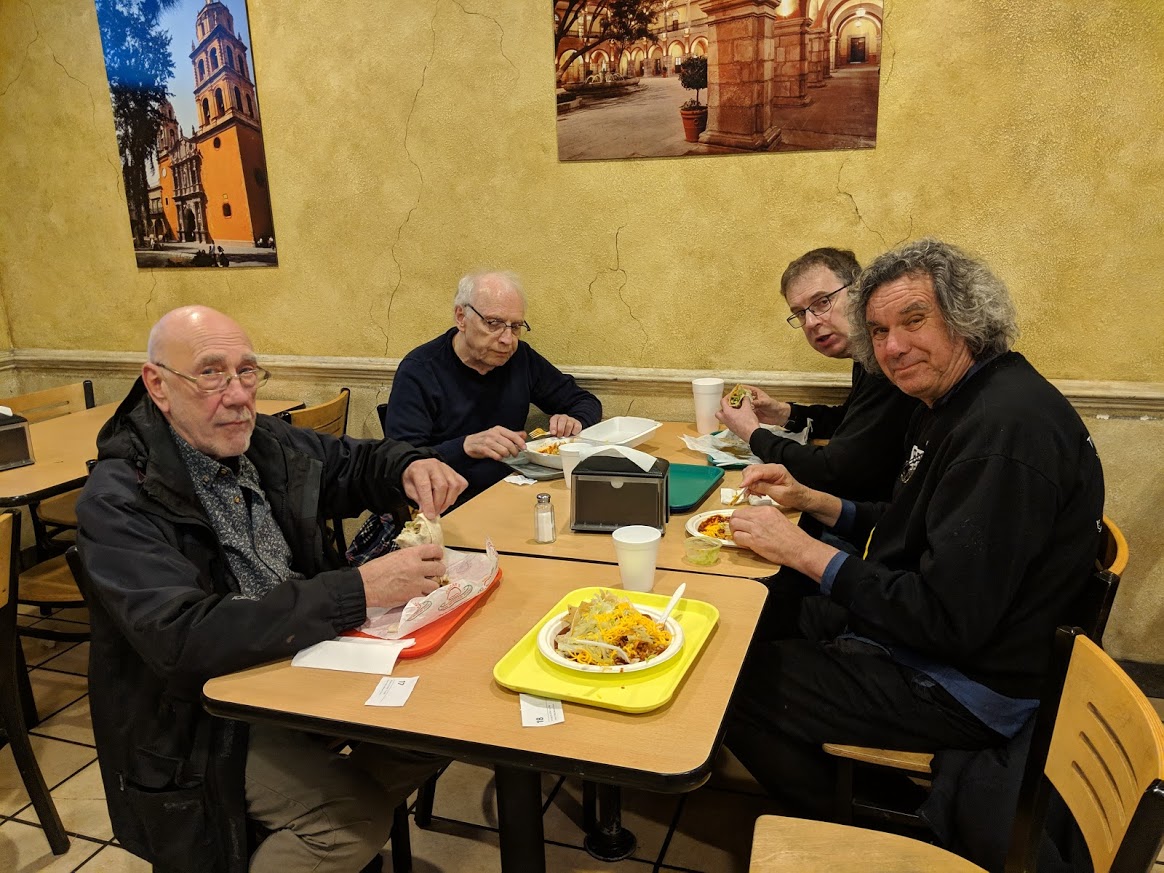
[
  {"x": 467, "y": 393},
  {"x": 866, "y": 434},
  {"x": 199, "y": 533}
]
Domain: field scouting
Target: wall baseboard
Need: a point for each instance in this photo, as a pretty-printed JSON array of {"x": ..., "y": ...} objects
[{"x": 1116, "y": 399}]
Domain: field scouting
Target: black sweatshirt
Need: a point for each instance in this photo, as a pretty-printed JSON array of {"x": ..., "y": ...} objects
[
  {"x": 991, "y": 533},
  {"x": 866, "y": 440}
]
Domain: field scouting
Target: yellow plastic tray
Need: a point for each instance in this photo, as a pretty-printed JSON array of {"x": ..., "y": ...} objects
[{"x": 523, "y": 668}]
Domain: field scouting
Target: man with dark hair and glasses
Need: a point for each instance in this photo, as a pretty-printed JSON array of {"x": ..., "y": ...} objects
[
  {"x": 866, "y": 433},
  {"x": 199, "y": 533},
  {"x": 467, "y": 393}
]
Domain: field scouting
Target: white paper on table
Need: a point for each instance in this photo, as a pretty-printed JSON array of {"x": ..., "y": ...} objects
[
  {"x": 725, "y": 448},
  {"x": 470, "y": 574},
  {"x": 640, "y": 459},
  {"x": 540, "y": 711},
  {"x": 392, "y": 691},
  {"x": 352, "y": 654},
  {"x": 518, "y": 479}
]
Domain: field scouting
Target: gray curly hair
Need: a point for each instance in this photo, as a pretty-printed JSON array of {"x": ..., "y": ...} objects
[{"x": 974, "y": 302}]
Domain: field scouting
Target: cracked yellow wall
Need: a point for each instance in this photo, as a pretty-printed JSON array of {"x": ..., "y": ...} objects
[{"x": 410, "y": 143}]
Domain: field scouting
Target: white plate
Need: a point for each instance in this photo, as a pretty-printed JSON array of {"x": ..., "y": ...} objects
[
  {"x": 534, "y": 456},
  {"x": 692, "y": 526},
  {"x": 554, "y": 626},
  {"x": 622, "y": 430}
]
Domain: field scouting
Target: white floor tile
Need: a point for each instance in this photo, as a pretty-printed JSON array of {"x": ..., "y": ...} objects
[{"x": 24, "y": 849}]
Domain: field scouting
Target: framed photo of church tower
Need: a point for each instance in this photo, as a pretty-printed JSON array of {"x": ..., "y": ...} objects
[{"x": 189, "y": 132}]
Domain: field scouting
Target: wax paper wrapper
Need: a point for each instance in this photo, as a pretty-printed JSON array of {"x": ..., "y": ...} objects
[
  {"x": 725, "y": 449},
  {"x": 470, "y": 574}
]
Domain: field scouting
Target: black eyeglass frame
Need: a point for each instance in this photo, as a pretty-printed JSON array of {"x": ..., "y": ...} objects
[
  {"x": 799, "y": 318},
  {"x": 262, "y": 377},
  {"x": 496, "y": 325}
]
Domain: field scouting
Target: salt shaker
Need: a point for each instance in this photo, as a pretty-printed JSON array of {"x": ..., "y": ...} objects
[{"x": 545, "y": 530}]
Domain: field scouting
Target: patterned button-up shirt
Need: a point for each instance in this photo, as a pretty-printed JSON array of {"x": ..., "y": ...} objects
[{"x": 255, "y": 547}]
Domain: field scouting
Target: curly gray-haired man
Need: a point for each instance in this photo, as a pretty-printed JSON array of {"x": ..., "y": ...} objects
[{"x": 939, "y": 637}]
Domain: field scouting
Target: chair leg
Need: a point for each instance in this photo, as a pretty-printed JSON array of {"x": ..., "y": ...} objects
[
  {"x": 424, "y": 800},
  {"x": 401, "y": 840},
  {"x": 843, "y": 802},
  {"x": 24, "y": 689},
  {"x": 13, "y": 720}
]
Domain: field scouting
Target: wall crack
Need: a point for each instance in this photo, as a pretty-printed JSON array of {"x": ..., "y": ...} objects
[
  {"x": 420, "y": 191},
  {"x": 500, "y": 38},
  {"x": 856, "y": 208}
]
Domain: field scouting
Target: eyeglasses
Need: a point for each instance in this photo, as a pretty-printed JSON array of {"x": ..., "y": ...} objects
[
  {"x": 217, "y": 381},
  {"x": 496, "y": 325},
  {"x": 818, "y": 307}
]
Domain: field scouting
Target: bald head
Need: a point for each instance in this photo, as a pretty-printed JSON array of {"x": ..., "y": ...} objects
[
  {"x": 189, "y": 342},
  {"x": 182, "y": 324}
]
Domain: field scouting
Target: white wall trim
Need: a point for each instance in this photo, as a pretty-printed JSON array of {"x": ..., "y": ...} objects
[{"x": 1122, "y": 399}]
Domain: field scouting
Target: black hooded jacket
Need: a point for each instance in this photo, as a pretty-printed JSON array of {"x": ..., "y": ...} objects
[{"x": 167, "y": 615}]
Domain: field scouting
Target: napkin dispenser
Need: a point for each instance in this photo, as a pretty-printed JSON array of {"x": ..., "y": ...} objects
[
  {"x": 611, "y": 492},
  {"x": 15, "y": 442}
]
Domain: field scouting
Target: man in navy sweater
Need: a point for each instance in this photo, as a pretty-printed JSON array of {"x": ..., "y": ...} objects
[
  {"x": 467, "y": 393},
  {"x": 940, "y": 637},
  {"x": 866, "y": 433}
]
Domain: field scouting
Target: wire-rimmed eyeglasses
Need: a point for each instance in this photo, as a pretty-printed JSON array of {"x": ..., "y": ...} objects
[
  {"x": 496, "y": 325},
  {"x": 818, "y": 307},
  {"x": 217, "y": 381}
]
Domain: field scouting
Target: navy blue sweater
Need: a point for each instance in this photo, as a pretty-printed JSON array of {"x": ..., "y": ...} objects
[{"x": 437, "y": 401}]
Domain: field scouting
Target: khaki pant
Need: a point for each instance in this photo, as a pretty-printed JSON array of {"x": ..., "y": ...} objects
[{"x": 326, "y": 812}]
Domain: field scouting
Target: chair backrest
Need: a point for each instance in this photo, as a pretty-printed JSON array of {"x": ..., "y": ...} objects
[
  {"x": 52, "y": 402},
  {"x": 1105, "y": 758},
  {"x": 9, "y": 554},
  {"x": 330, "y": 417},
  {"x": 1113, "y": 548},
  {"x": 381, "y": 408}
]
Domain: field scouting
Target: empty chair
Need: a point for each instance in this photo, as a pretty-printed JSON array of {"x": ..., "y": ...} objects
[
  {"x": 330, "y": 417},
  {"x": 53, "y": 515},
  {"x": 15, "y": 694},
  {"x": 1102, "y": 750}
]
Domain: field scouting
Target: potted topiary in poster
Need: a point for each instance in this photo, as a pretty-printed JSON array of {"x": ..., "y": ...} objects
[{"x": 693, "y": 77}]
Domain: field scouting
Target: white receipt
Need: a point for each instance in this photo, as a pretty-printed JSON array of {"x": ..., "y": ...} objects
[
  {"x": 539, "y": 711},
  {"x": 392, "y": 691}
]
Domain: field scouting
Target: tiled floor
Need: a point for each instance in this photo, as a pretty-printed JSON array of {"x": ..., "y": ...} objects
[{"x": 708, "y": 831}]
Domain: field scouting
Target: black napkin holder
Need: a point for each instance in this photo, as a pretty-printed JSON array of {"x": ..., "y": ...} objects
[
  {"x": 608, "y": 492},
  {"x": 15, "y": 442}
]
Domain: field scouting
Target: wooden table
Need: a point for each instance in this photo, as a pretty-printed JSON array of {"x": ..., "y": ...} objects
[
  {"x": 63, "y": 445},
  {"x": 504, "y": 513},
  {"x": 457, "y": 710}
]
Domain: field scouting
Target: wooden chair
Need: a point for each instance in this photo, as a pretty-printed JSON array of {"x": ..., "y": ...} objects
[
  {"x": 1103, "y": 752},
  {"x": 54, "y": 515},
  {"x": 1091, "y": 614},
  {"x": 15, "y": 692},
  {"x": 330, "y": 417}
]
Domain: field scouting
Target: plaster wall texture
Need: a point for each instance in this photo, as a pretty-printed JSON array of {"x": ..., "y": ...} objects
[{"x": 408, "y": 143}]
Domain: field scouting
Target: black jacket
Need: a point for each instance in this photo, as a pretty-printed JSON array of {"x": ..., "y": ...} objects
[
  {"x": 166, "y": 616},
  {"x": 991, "y": 534},
  {"x": 866, "y": 437}
]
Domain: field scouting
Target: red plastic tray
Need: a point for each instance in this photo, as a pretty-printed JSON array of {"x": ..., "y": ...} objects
[{"x": 430, "y": 637}]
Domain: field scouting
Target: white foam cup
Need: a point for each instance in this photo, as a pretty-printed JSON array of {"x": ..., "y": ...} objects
[
  {"x": 637, "y": 548},
  {"x": 571, "y": 454},
  {"x": 708, "y": 393}
]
